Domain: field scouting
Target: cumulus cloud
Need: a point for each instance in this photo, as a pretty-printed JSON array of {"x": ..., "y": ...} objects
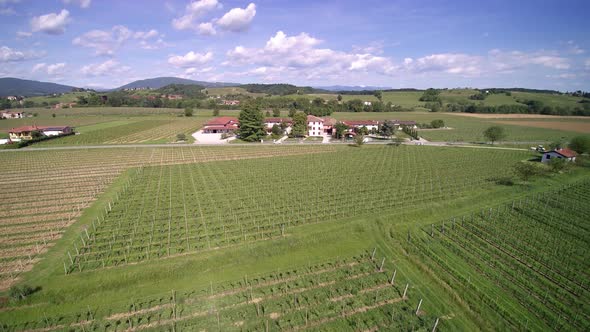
[
  {"x": 38, "y": 67},
  {"x": 8, "y": 54},
  {"x": 55, "y": 68},
  {"x": 81, "y": 3},
  {"x": 107, "y": 42},
  {"x": 573, "y": 48},
  {"x": 190, "y": 59},
  {"x": 53, "y": 24},
  {"x": 107, "y": 68},
  {"x": 206, "y": 29},
  {"x": 237, "y": 19},
  {"x": 193, "y": 11}
]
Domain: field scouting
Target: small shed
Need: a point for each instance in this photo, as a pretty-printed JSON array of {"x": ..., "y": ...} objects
[{"x": 566, "y": 154}]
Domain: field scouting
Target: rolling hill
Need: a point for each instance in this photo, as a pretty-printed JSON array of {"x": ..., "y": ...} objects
[
  {"x": 10, "y": 86},
  {"x": 159, "y": 82}
]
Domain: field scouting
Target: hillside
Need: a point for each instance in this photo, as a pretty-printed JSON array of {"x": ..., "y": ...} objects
[
  {"x": 159, "y": 82},
  {"x": 10, "y": 86}
]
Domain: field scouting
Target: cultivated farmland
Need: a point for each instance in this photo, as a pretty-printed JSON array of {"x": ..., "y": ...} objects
[{"x": 525, "y": 263}]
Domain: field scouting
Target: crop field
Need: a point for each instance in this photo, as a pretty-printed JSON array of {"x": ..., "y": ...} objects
[
  {"x": 361, "y": 291},
  {"x": 470, "y": 129},
  {"x": 171, "y": 210},
  {"x": 527, "y": 261},
  {"x": 577, "y": 125},
  {"x": 33, "y": 216}
]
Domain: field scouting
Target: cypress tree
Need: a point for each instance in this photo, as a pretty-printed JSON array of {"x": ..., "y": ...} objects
[{"x": 251, "y": 124}]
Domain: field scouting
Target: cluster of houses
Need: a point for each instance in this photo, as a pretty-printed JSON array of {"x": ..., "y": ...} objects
[
  {"x": 316, "y": 126},
  {"x": 64, "y": 105},
  {"x": 26, "y": 133},
  {"x": 230, "y": 102}
]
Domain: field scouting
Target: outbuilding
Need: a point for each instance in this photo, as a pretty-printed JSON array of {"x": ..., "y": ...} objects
[{"x": 566, "y": 154}]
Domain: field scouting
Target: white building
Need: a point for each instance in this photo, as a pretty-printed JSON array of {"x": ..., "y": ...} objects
[
  {"x": 270, "y": 122},
  {"x": 367, "y": 103},
  {"x": 315, "y": 126},
  {"x": 12, "y": 115},
  {"x": 566, "y": 154},
  {"x": 358, "y": 124}
]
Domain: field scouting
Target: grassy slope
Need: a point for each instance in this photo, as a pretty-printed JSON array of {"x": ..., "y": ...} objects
[{"x": 115, "y": 288}]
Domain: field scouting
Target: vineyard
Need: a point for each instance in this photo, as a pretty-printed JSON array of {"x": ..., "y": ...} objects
[
  {"x": 143, "y": 131},
  {"x": 170, "y": 210},
  {"x": 527, "y": 262},
  {"x": 359, "y": 293},
  {"x": 37, "y": 202}
]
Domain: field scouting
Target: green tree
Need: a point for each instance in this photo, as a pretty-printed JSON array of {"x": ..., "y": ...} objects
[
  {"x": 181, "y": 137},
  {"x": 292, "y": 112},
  {"x": 580, "y": 144},
  {"x": 339, "y": 97},
  {"x": 251, "y": 124},
  {"x": 437, "y": 123},
  {"x": 430, "y": 95},
  {"x": 378, "y": 94},
  {"x": 386, "y": 129},
  {"x": 276, "y": 130},
  {"x": 340, "y": 129},
  {"x": 276, "y": 112},
  {"x": 53, "y": 115},
  {"x": 494, "y": 134},
  {"x": 359, "y": 140},
  {"x": 216, "y": 112},
  {"x": 299, "y": 125},
  {"x": 267, "y": 114},
  {"x": 525, "y": 170},
  {"x": 188, "y": 112}
]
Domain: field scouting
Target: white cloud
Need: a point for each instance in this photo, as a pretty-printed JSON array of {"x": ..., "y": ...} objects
[
  {"x": 509, "y": 61},
  {"x": 55, "y": 68},
  {"x": 81, "y": 3},
  {"x": 8, "y": 54},
  {"x": 107, "y": 68},
  {"x": 451, "y": 63},
  {"x": 23, "y": 34},
  {"x": 106, "y": 42},
  {"x": 7, "y": 11},
  {"x": 575, "y": 49},
  {"x": 53, "y": 24},
  {"x": 190, "y": 59},
  {"x": 193, "y": 11},
  {"x": 146, "y": 34},
  {"x": 206, "y": 29},
  {"x": 237, "y": 19},
  {"x": 587, "y": 63},
  {"x": 38, "y": 67}
]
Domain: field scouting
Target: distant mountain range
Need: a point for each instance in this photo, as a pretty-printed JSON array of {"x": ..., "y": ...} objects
[
  {"x": 159, "y": 82},
  {"x": 10, "y": 86},
  {"x": 351, "y": 88}
]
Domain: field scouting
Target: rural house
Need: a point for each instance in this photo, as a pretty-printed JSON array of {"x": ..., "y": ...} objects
[
  {"x": 270, "y": 122},
  {"x": 221, "y": 125},
  {"x": 566, "y": 154},
  {"x": 354, "y": 125},
  {"x": 12, "y": 115},
  {"x": 28, "y": 132},
  {"x": 230, "y": 102},
  {"x": 315, "y": 126}
]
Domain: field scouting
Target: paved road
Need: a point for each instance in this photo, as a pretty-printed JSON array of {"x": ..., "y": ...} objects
[{"x": 120, "y": 146}]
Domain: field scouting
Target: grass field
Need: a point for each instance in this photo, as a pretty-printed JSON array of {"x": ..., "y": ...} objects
[{"x": 279, "y": 239}]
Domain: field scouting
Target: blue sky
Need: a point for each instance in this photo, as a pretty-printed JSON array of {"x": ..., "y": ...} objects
[{"x": 99, "y": 43}]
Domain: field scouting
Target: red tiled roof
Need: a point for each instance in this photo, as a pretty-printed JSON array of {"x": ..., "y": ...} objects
[
  {"x": 221, "y": 121},
  {"x": 311, "y": 118},
  {"x": 277, "y": 120},
  {"x": 360, "y": 122},
  {"x": 566, "y": 153},
  {"x": 218, "y": 127}
]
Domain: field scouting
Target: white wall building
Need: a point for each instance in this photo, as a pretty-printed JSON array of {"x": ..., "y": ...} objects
[
  {"x": 566, "y": 154},
  {"x": 315, "y": 126}
]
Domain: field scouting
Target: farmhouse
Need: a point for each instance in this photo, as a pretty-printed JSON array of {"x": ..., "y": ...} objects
[
  {"x": 315, "y": 126},
  {"x": 172, "y": 97},
  {"x": 399, "y": 123},
  {"x": 12, "y": 115},
  {"x": 230, "y": 102},
  {"x": 270, "y": 122},
  {"x": 30, "y": 132},
  {"x": 64, "y": 105},
  {"x": 221, "y": 125},
  {"x": 354, "y": 125},
  {"x": 12, "y": 98},
  {"x": 566, "y": 154}
]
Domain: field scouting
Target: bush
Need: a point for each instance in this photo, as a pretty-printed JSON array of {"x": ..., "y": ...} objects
[
  {"x": 437, "y": 123},
  {"x": 181, "y": 137},
  {"x": 18, "y": 293},
  {"x": 188, "y": 112},
  {"x": 580, "y": 144}
]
